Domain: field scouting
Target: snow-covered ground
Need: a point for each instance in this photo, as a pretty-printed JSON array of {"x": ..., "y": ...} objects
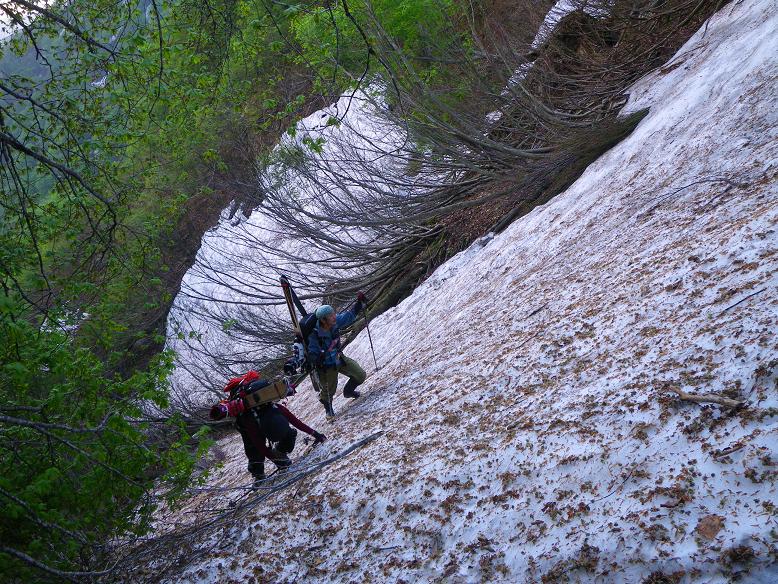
[{"x": 525, "y": 390}]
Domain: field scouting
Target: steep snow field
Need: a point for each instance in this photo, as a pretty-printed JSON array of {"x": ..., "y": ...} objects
[{"x": 525, "y": 390}]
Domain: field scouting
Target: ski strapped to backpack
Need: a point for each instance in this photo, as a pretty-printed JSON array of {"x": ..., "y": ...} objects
[{"x": 302, "y": 329}]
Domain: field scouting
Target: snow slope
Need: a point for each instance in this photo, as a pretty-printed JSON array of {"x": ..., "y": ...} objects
[{"x": 525, "y": 389}]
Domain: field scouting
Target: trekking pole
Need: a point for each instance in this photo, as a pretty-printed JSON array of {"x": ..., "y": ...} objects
[{"x": 369, "y": 336}]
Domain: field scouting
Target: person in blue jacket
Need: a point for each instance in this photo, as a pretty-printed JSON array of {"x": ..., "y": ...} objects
[{"x": 325, "y": 353}]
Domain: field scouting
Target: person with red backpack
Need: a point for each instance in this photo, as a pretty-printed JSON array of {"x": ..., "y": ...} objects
[{"x": 260, "y": 425}]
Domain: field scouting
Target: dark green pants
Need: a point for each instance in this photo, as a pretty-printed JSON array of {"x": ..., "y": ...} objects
[{"x": 328, "y": 378}]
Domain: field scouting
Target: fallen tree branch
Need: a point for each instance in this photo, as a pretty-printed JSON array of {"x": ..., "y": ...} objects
[
  {"x": 729, "y": 450},
  {"x": 621, "y": 484},
  {"x": 315, "y": 468},
  {"x": 707, "y": 398},
  {"x": 743, "y": 300},
  {"x": 72, "y": 576}
]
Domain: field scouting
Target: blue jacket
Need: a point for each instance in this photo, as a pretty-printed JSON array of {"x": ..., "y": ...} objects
[{"x": 324, "y": 346}]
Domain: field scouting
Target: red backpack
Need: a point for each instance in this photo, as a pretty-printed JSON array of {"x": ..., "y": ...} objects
[{"x": 235, "y": 384}]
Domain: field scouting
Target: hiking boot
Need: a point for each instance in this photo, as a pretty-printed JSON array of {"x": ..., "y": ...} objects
[
  {"x": 350, "y": 390},
  {"x": 281, "y": 460},
  {"x": 258, "y": 480},
  {"x": 257, "y": 470},
  {"x": 328, "y": 411}
]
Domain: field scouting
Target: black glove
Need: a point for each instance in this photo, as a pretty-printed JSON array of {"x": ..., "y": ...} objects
[
  {"x": 318, "y": 438},
  {"x": 290, "y": 367}
]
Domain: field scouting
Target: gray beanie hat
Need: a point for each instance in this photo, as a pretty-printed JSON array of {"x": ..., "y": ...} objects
[{"x": 324, "y": 311}]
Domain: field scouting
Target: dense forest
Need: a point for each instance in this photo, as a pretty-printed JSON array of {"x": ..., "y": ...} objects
[{"x": 126, "y": 129}]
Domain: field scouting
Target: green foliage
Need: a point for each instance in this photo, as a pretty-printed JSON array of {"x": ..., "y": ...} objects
[
  {"x": 86, "y": 258},
  {"x": 331, "y": 38},
  {"x": 72, "y": 455}
]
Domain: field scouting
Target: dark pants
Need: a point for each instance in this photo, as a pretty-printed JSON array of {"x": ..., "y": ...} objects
[
  {"x": 277, "y": 429},
  {"x": 267, "y": 423},
  {"x": 256, "y": 459}
]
